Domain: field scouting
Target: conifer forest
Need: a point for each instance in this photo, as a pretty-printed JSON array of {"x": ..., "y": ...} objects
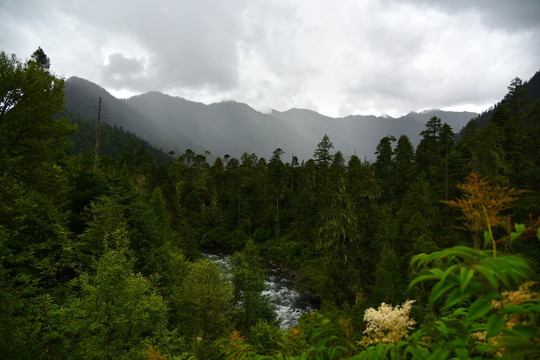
[{"x": 427, "y": 252}]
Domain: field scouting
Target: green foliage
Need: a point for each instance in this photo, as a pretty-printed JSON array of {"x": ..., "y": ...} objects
[
  {"x": 105, "y": 264},
  {"x": 248, "y": 284},
  {"x": 205, "y": 300},
  {"x": 384, "y": 166},
  {"x": 116, "y": 311},
  {"x": 314, "y": 339},
  {"x": 32, "y": 142},
  {"x": 40, "y": 59},
  {"x": 388, "y": 282},
  {"x": 323, "y": 158},
  {"x": 265, "y": 337},
  {"x": 114, "y": 141},
  {"x": 33, "y": 184},
  {"x": 469, "y": 281},
  {"x": 456, "y": 268}
]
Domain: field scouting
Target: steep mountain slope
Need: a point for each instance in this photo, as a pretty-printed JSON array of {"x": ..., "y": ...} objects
[
  {"x": 82, "y": 99},
  {"x": 114, "y": 141},
  {"x": 532, "y": 91},
  {"x": 173, "y": 123},
  {"x": 226, "y": 127},
  {"x": 457, "y": 120}
]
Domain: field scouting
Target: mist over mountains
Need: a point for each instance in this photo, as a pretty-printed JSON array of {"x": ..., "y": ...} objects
[{"x": 177, "y": 124}]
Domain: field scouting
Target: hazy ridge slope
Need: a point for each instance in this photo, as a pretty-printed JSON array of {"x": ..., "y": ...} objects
[
  {"x": 82, "y": 99},
  {"x": 173, "y": 123},
  {"x": 226, "y": 127}
]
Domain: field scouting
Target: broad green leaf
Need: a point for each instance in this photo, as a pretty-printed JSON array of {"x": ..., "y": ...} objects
[
  {"x": 440, "y": 354},
  {"x": 514, "y": 308},
  {"x": 485, "y": 348},
  {"x": 382, "y": 349},
  {"x": 516, "y": 340},
  {"x": 487, "y": 238},
  {"x": 519, "y": 230},
  {"x": 441, "y": 327},
  {"x": 448, "y": 272},
  {"x": 462, "y": 354},
  {"x": 465, "y": 252},
  {"x": 438, "y": 290},
  {"x": 417, "y": 259},
  {"x": 437, "y": 272},
  {"x": 331, "y": 352},
  {"x": 465, "y": 276},
  {"x": 488, "y": 274},
  {"x": 316, "y": 333},
  {"x": 418, "y": 353},
  {"x": 495, "y": 324},
  {"x": 460, "y": 312},
  {"x": 496, "y": 269},
  {"x": 423, "y": 278},
  {"x": 478, "y": 309},
  {"x": 320, "y": 344},
  {"x": 452, "y": 299},
  {"x": 363, "y": 355},
  {"x": 513, "y": 266}
]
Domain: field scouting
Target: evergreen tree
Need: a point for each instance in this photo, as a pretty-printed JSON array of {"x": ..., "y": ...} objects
[
  {"x": 418, "y": 217},
  {"x": 516, "y": 100},
  {"x": 428, "y": 150},
  {"x": 388, "y": 286},
  {"x": 41, "y": 59},
  {"x": 403, "y": 164},
  {"x": 305, "y": 205},
  {"x": 276, "y": 174},
  {"x": 446, "y": 142},
  {"x": 337, "y": 229},
  {"x": 33, "y": 142},
  {"x": 338, "y": 237},
  {"x": 384, "y": 167},
  {"x": 323, "y": 158}
]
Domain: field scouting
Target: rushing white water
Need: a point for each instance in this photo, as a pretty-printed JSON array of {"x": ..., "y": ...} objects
[{"x": 290, "y": 304}]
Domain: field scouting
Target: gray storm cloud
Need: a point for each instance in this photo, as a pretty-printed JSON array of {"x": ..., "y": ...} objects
[{"x": 340, "y": 58}]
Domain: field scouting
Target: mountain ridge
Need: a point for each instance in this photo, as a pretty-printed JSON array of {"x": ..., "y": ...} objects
[{"x": 231, "y": 127}]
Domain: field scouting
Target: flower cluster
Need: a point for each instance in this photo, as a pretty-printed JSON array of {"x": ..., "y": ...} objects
[
  {"x": 387, "y": 324},
  {"x": 517, "y": 297}
]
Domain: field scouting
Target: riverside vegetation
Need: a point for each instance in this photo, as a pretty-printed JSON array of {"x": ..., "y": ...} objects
[{"x": 427, "y": 252}]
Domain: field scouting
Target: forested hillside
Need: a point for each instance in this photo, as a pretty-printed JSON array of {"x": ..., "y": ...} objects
[
  {"x": 114, "y": 141},
  {"x": 429, "y": 251}
]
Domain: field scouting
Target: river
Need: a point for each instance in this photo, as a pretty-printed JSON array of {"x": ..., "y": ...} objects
[{"x": 290, "y": 304}]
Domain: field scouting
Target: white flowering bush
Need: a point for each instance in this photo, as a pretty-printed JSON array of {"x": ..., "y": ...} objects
[{"x": 387, "y": 324}]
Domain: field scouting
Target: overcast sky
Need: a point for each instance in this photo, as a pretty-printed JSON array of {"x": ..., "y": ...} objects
[{"x": 337, "y": 57}]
